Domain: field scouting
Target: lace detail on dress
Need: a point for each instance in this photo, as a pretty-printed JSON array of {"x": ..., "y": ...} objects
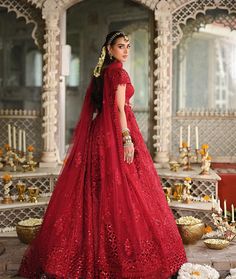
[{"x": 119, "y": 76}]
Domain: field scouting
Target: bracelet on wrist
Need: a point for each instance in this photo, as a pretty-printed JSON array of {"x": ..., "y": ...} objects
[
  {"x": 125, "y": 132},
  {"x": 127, "y": 144},
  {"x": 127, "y": 140}
]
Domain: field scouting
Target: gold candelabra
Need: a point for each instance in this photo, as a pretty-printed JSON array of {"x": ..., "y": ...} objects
[{"x": 185, "y": 158}]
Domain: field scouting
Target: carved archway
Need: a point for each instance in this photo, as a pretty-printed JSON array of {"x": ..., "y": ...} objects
[
  {"x": 191, "y": 9},
  {"x": 52, "y": 10},
  {"x": 31, "y": 14}
]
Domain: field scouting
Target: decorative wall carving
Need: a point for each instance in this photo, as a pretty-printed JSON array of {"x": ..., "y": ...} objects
[
  {"x": 30, "y": 14},
  {"x": 192, "y": 9},
  {"x": 162, "y": 80},
  {"x": 51, "y": 13}
]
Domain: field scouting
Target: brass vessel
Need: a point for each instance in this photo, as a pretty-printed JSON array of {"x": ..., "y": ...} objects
[
  {"x": 33, "y": 194},
  {"x": 21, "y": 187},
  {"x": 191, "y": 233},
  {"x": 27, "y": 233}
]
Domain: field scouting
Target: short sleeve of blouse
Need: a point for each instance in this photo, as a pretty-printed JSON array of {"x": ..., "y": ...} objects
[{"x": 119, "y": 76}]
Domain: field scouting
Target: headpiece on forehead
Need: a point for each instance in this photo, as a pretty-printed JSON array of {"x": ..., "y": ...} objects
[{"x": 116, "y": 35}]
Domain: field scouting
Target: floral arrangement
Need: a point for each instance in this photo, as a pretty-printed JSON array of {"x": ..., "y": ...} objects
[
  {"x": 227, "y": 231},
  {"x": 192, "y": 271},
  {"x": 188, "y": 220},
  {"x": 30, "y": 148},
  {"x": 31, "y": 222}
]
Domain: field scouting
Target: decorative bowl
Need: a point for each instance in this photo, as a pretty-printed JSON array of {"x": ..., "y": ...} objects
[
  {"x": 217, "y": 244},
  {"x": 191, "y": 233},
  {"x": 27, "y": 230}
]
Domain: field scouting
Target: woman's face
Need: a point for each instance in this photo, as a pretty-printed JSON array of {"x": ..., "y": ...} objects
[{"x": 120, "y": 49}]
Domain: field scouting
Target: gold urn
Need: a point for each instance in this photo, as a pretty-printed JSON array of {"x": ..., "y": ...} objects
[
  {"x": 33, "y": 194},
  {"x": 191, "y": 233},
  {"x": 177, "y": 190},
  {"x": 21, "y": 188},
  {"x": 27, "y": 233}
]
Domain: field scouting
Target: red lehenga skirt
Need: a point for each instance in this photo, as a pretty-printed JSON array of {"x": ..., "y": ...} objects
[{"x": 106, "y": 219}]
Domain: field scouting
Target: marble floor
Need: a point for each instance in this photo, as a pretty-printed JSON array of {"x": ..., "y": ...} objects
[{"x": 222, "y": 260}]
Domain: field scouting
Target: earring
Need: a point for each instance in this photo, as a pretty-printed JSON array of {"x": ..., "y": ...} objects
[{"x": 110, "y": 56}]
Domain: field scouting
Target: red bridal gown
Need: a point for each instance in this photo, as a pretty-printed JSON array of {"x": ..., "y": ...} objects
[{"x": 106, "y": 219}]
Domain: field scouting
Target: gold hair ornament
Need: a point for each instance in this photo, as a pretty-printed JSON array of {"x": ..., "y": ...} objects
[
  {"x": 117, "y": 34},
  {"x": 97, "y": 70}
]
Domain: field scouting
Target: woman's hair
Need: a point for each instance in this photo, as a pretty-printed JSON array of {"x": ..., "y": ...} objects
[{"x": 97, "y": 93}]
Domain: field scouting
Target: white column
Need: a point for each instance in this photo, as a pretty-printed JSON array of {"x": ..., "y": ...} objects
[
  {"x": 162, "y": 84},
  {"x": 62, "y": 92},
  {"x": 50, "y": 12}
]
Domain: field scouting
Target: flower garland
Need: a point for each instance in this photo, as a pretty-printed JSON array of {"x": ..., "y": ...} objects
[{"x": 197, "y": 271}]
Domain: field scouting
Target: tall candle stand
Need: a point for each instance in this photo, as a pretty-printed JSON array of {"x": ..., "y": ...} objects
[
  {"x": 30, "y": 163},
  {"x": 21, "y": 158},
  {"x": 7, "y": 184},
  {"x": 9, "y": 159},
  {"x": 197, "y": 153},
  {"x": 189, "y": 156}
]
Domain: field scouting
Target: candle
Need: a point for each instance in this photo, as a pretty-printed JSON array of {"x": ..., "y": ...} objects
[
  {"x": 20, "y": 140},
  {"x": 212, "y": 201},
  {"x": 24, "y": 141},
  {"x": 188, "y": 135},
  {"x": 232, "y": 207},
  {"x": 180, "y": 137},
  {"x": 14, "y": 137},
  {"x": 218, "y": 205},
  {"x": 9, "y": 135},
  {"x": 225, "y": 209},
  {"x": 196, "y": 134}
]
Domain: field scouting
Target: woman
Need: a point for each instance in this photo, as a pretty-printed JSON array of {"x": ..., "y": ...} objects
[{"x": 108, "y": 216}]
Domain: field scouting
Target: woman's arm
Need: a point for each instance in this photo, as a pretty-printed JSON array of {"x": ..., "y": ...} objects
[{"x": 120, "y": 100}]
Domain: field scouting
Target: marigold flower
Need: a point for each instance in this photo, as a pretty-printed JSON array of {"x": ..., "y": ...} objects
[
  {"x": 7, "y": 146},
  {"x": 205, "y": 146},
  {"x": 30, "y": 148},
  {"x": 208, "y": 229},
  {"x": 188, "y": 178},
  {"x": 202, "y": 152},
  {"x": 206, "y": 198},
  {"x": 184, "y": 144},
  {"x": 6, "y": 177}
]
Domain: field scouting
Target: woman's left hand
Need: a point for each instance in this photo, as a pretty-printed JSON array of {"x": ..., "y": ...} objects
[{"x": 129, "y": 153}]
